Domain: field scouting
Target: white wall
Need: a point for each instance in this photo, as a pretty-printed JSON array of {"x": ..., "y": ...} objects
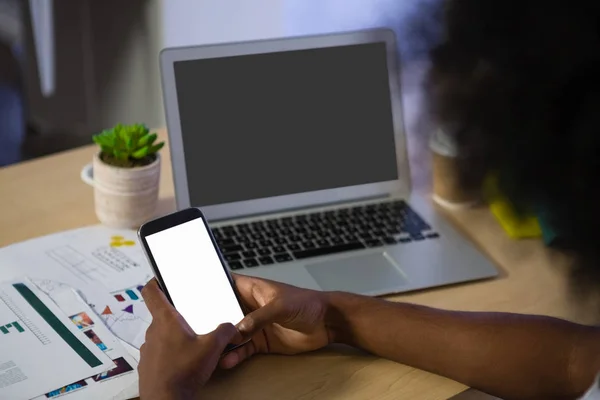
[
  {"x": 192, "y": 22},
  {"x": 127, "y": 75}
]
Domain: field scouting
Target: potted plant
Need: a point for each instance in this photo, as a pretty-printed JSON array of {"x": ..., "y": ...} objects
[{"x": 126, "y": 175}]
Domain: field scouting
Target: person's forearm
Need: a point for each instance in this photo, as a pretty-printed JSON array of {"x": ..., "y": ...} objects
[{"x": 507, "y": 355}]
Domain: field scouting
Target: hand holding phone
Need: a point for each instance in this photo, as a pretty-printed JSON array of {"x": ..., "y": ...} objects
[
  {"x": 174, "y": 361},
  {"x": 190, "y": 270}
]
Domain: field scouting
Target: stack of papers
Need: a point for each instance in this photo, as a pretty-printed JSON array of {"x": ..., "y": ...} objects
[{"x": 72, "y": 317}]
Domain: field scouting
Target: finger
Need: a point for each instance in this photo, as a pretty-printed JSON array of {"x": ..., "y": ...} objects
[
  {"x": 225, "y": 334},
  {"x": 211, "y": 346},
  {"x": 155, "y": 299},
  {"x": 238, "y": 356},
  {"x": 245, "y": 280},
  {"x": 241, "y": 280},
  {"x": 272, "y": 312}
]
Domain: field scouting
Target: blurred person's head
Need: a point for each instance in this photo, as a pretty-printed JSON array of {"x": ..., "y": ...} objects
[{"x": 518, "y": 84}]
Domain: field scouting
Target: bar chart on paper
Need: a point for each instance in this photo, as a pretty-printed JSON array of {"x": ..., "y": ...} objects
[
  {"x": 5, "y": 329},
  {"x": 129, "y": 295},
  {"x": 17, "y": 326}
]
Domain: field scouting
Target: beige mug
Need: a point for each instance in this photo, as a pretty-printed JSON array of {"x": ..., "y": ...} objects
[{"x": 446, "y": 188}]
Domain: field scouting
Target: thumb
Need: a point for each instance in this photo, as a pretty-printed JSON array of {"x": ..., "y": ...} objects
[{"x": 273, "y": 312}]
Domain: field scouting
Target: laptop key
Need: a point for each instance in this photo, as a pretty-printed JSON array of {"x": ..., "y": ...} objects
[
  {"x": 283, "y": 257},
  {"x": 266, "y": 260},
  {"x": 235, "y": 265},
  {"x": 389, "y": 240},
  {"x": 231, "y": 249},
  {"x": 230, "y": 234},
  {"x": 225, "y": 242},
  {"x": 357, "y": 210},
  {"x": 259, "y": 228},
  {"x": 323, "y": 242},
  {"x": 250, "y": 263},
  {"x": 279, "y": 249},
  {"x": 249, "y": 254},
  {"x": 323, "y": 251},
  {"x": 265, "y": 251},
  {"x": 393, "y": 231},
  {"x": 374, "y": 243},
  {"x": 293, "y": 247},
  {"x": 232, "y": 257},
  {"x": 308, "y": 245},
  {"x": 337, "y": 240},
  {"x": 244, "y": 239},
  {"x": 251, "y": 246}
]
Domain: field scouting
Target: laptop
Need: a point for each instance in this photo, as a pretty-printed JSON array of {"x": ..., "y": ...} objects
[{"x": 295, "y": 150}]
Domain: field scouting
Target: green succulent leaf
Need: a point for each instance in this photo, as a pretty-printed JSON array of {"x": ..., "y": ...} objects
[
  {"x": 156, "y": 148},
  {"x": 141, "y": 153},
  {"x": 128, "y": 142},
  {"x": 147, "y": 140},
  {"x": 106, "y": 149}
]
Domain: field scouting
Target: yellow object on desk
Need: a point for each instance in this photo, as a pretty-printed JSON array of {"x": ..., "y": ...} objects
[{"x": 516, "y": 226}]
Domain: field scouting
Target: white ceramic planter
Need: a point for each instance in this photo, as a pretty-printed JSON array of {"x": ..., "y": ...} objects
[{"x": 123, "y": 197}]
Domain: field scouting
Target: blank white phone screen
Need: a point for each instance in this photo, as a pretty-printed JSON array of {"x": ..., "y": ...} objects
[{"x": 194, "y": 276}]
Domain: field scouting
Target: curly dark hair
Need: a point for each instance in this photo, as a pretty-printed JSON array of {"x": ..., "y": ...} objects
[{"x": 518, "y": 84}]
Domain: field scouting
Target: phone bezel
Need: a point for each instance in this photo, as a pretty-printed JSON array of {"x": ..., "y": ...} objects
[{"x": 170, "y": 221}]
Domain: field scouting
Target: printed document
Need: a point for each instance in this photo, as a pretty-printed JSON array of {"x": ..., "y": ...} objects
[{"x": 36, "y": 337}]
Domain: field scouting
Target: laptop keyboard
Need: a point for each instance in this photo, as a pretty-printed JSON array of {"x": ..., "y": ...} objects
[{"x": 280, "y": 240}]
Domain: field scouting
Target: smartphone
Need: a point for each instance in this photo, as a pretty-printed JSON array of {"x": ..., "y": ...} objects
[{"x": 190, "y": 270}]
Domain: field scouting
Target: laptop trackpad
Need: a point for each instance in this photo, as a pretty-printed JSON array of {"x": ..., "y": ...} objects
[{"x": 368, "y": 274}]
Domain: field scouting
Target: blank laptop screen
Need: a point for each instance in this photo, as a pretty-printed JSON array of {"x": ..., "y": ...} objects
[{"x": 258, "y": 126}]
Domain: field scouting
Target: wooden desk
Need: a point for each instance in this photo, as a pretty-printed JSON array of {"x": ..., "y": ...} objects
[{"x": 46, "y": 195}]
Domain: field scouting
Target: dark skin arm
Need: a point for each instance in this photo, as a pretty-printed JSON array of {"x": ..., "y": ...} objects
[{"x": 506, "y": 355}]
